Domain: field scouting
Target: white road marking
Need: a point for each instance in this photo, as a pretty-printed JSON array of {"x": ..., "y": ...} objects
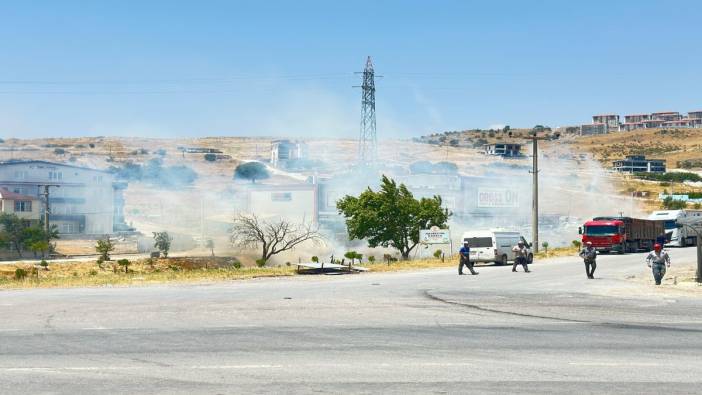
[
  {"x": 231, "y": 367},
  {"x": 615, "y": 364}
]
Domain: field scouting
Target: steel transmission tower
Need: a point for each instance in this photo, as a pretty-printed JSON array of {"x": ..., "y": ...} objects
[{"x": 367, "y": 142}]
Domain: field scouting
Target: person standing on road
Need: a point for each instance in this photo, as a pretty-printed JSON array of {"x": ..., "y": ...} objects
[
  {"x": 662, "y": 239},
  {"x": 658, "y": 260},
  {"x": 520, "y": 256},
  {"x": 589, "y": 255},
  {"x": 464, "y": 259}
]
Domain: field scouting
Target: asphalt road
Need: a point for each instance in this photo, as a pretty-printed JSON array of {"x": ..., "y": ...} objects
[{"x": 549, "y": 331}]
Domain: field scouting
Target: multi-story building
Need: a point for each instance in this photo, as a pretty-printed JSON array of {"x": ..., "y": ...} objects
[
  {"x": 24, "y": 206},
  {"x": 680, "y": 123},
  {"x": 82, "y": 200},
  {"x": 639, "y": 164},
  {"x": 503, "y": 149},
  {"x": 694, "y": 114},
  {"x": 666, "y": 116},
  {"x": 636, "y": 118},
  {"x": 611, "y": 121}
]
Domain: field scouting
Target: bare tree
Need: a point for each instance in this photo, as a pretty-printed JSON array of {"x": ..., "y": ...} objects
[{"x": 272, "y": 237}]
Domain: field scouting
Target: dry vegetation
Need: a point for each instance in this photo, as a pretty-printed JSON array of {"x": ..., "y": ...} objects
[{"x": 676, "y": 145}]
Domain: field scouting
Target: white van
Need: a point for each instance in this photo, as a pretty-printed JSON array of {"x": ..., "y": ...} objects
[{"x": 494, "y": 245}]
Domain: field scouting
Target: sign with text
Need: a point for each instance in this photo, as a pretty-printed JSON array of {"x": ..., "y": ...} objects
[
  {"x": 434, "y": 236},
  {"x": 497, "y": 198}
]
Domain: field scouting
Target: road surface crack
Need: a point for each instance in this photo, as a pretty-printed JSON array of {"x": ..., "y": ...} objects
[{"x": 485, "y": 309}]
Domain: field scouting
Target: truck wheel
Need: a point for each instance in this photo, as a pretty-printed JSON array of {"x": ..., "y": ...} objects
[
  {"x": 503, "y": 261},
  {"x": 530, "y": 259}
]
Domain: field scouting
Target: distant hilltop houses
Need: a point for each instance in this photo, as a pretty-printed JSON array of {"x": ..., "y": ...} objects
[{"x": 605, "y": 123}]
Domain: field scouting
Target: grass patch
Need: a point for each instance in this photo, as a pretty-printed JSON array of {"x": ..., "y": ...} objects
[
  {"x": 147, "y": 271},
  {"x": 556, "y": 252}
]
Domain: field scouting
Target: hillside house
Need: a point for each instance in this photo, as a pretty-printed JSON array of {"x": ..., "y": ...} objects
[
  {"x": 611, "y": 121},
  {"x": 503, "y": 149},
  {"x": 639, "y": 164}
]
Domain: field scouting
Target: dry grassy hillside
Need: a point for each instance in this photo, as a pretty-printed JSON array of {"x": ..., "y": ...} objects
[{"x": 681, "y": 148}]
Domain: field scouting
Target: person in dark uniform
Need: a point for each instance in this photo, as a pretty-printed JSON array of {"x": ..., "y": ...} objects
[
  {"x": 520, "y": 256},
  {"x": 589, "y": 255},
  {"x": 464, "y": 259}
]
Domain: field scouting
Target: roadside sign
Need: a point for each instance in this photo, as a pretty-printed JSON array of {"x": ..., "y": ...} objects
[
  {"x": 434, "y": 236},
  {"x": 497, "y": 198}
]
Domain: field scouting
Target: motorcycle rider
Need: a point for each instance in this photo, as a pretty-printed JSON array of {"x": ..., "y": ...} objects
[
  {"x": 464, "y": 259},
  {"x": 658, "y": 260},
  {"x": 520, "y": 256},
  {"x": 589, "y": 255}
]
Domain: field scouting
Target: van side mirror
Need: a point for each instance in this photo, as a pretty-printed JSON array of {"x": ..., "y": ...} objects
[
  {"x": 531, "y": 244},
  {"x": 580, "y": 230}
]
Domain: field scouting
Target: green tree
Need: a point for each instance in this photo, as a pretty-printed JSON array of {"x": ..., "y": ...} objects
[
  {"x": 14, "y": 232},
  {"x": 104, "y": 247},
  {"x": 315, "y": 259},
  {"x": 251, "y": 171},
  {"x": 125, "y": 263},
  {"x": 545, "y": 245},
  {"x": 391, "y": 217},
  {"x": 350, "y": 255},
  {"x": 162, "y": 241}
]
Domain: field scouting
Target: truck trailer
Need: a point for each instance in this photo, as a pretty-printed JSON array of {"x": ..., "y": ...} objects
[{"x": 621, "y": 234}]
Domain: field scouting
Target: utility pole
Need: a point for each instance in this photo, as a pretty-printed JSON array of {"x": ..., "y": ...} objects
[
  {"x": 535, "y": 191},
  {"x": 47, "y": 207},
  {"x": 367, "y": 142}
]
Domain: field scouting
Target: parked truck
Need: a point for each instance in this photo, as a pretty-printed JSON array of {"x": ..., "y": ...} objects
[
  {"x": 621, "y": 234},
  {"x": 679, "y": 235}
]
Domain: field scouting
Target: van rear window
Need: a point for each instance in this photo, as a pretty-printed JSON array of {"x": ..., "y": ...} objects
[{"x": 478, "y": 242}]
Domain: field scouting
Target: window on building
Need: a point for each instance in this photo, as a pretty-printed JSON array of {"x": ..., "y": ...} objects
[
  {"x": 23, "y": 206},
  {"x": 55, "y": 175},
  {"x": 21, "y": 174},
  {"x": 67, "y": 227},
  {"x": 281, "y": 196}
]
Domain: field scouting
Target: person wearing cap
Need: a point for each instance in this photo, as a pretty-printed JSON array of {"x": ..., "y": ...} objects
[
  {"x": 464, "y": 259},
  {"x": 520, "y": 256},
  {"x": 589, "y": 255},
  {"x": 658, "y": 260}
]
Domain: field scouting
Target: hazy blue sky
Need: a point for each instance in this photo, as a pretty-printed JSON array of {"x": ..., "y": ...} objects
[{"x": 199, "y": 68}]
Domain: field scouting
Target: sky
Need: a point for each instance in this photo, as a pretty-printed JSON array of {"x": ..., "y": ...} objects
[{"x": 287, "y": 68}]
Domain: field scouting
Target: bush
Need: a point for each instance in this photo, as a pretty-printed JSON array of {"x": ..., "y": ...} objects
[
  {"x": 125, "y": 263},
  {"x": 437, "y": 254},
  {"x": 670, "y": 204},
  {"x": 236, "y": 265},
  {"x": 315, "y": 259},
  {"x": 44, "y": 264},
  {"x": 371, "y": 258},
  {"x": 59, "y": 151},
  {"x": 20, "y": 274},
  {"x": 91, "y": 145},
  {"x": 670, "y": 177},
  {"x": 93, "y": 272},
  {"x": 260, "y": 262},
  {"x": 210, "y": 157},
  {"x": 577, "y": 244}
]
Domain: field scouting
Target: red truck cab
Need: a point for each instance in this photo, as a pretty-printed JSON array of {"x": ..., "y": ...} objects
[{"x": 605, "y": 234}]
